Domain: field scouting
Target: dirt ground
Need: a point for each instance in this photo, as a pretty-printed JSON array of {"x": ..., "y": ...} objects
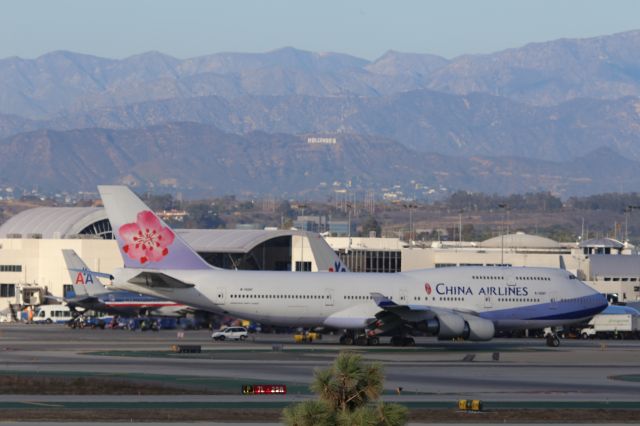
[
  {"x": 273, "y": 415},
  {"x": 34, "y": 385}
]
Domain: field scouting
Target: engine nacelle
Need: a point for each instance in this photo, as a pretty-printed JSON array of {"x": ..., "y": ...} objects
[
  {"x": 450, "y": 326},
  {"x": 478, "y": 329},
  {"x": 469, "y": 327}
]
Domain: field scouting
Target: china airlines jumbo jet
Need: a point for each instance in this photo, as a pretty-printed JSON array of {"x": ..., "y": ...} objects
[{"x": 464, "y": 302}]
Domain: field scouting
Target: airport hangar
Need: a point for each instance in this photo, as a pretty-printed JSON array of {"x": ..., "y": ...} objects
[
  {"x": 31, "y": 259},
  {"x": 31, "y": 262}
]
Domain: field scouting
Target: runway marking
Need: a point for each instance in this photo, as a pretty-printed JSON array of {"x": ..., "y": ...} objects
[{"x": 42, "y": 404}]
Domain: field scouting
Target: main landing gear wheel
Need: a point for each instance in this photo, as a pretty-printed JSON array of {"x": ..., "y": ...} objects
[
  {"x": 553, "y": 340},
  {"x": 373, "y": 341},
  {"x": 361, "y": 341},
  {"x": 402, "y": 341},
  {"x": 346, "y": 340}
]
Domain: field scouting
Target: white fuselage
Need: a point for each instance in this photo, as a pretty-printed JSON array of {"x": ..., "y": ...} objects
[{"x": 510, "y": 297}]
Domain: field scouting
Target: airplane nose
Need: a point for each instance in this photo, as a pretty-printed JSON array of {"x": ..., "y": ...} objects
[{"x": 600, "y": 301}]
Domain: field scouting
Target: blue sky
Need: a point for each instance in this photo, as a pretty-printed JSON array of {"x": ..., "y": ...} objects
[{"x": 120, "y": 28}]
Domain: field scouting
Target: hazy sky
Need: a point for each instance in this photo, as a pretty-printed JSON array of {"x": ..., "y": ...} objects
[{"x": 365, "y": 28}]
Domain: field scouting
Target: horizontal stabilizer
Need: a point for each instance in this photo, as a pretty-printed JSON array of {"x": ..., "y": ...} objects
[
  {"x": 94, "y": 273},
  {"x": 158, "y": 280},
  {"x": 54, "y": 298}
]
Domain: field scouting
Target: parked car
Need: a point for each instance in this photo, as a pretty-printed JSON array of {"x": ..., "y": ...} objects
[{"x": 231, "y": 333}]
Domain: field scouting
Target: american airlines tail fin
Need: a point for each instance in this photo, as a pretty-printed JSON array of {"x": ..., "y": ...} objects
[
  {"x": 145, "y": 241},
  {"x": 85, "y": 282},
  {"x": 326, "y": 258}
]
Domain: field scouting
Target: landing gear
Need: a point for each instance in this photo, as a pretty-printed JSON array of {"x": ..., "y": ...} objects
[
  {"x": 553, "y": 340},
  {"x": 551, "y": 335},
  {"x": 402, "y": 341},
  {"x": 359, "y": 340},
  {"x": 346, "y": 339}
]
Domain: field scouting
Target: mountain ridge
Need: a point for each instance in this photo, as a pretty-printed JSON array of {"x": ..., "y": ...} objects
[
  {"x": 202, "y": 160},
  {"x": 544, "y": 73}
]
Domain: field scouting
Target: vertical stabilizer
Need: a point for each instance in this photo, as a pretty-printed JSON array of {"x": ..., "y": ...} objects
[
  {"x": 145, "y": 241},
  {"x": 84, "y": 281},
  {"x": 326, "y": 258}
]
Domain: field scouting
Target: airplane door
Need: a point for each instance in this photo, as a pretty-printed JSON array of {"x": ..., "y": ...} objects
[
  {"x": 219, "y": 298},
  {"x": 553, "y": 300},
  {"x": 509, "y": 277},
  {"x": 403, "y": 296},
  {"x": 488, "y": 304},
  {"x": 328, "y": 299}
]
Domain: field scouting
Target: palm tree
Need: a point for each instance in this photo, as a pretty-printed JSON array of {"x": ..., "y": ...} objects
[{"x": 347, "y": 390}]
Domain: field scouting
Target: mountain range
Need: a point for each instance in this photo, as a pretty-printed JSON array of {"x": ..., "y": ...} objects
[
  {"x": 201, "y": 159},
  {"x": 562, "y": 116}
]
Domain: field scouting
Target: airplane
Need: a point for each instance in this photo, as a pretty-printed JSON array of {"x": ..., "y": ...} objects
[
  {"x": 91, "y": 294},
  {"x": 456, "y": 302}
]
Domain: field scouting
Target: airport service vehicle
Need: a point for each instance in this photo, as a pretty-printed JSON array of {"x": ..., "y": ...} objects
[
  {"x": 91, "y": 294},
  {"x": 52, "y": 313},
  {"x": 622, "y": 326},
  {"x": 457, "y": 302},
  {"x": 231, "y": 333}
]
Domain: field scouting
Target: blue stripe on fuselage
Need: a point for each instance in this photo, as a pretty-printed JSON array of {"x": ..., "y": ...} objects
[{"x": 545, "y": 311}]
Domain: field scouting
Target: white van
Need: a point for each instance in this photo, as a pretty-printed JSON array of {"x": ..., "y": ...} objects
[{"x": 52, "y": 313}]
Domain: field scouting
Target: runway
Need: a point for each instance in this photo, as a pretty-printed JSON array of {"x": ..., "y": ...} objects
[{"x": 526, "y": 372}]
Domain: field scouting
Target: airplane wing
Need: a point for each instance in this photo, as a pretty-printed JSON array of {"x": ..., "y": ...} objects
[
  {"x": 442, "y": 322},
  {"x": 158, "y": 280},
  {"x": 410, "y": 312},
  {"x": 54, "y": 298}
]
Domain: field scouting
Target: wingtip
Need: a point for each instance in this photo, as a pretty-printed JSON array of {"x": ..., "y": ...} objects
[{"x": 381, "y": 300}]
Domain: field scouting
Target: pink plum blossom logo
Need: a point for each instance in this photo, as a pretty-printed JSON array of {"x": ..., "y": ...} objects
[
  {"x": 146, "y": 240},
  {"x": 427, "y": 288}
]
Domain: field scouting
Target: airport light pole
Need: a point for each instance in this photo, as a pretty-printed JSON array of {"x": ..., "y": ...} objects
[
  {"x": 627, "y": 215},
  {"x": 504, "y": 208},
  {"x": 301, "y": 207},
  {"x": 460, "y": 228},
  {"x": 410, "y": 206}
]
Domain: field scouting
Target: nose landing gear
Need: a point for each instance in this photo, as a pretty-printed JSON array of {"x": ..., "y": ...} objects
[{"x": 553, "y": 341}]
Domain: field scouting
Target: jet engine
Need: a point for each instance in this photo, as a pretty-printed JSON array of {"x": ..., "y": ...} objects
[
  {"x": 445, "y": 326},
  {"x": 478, "y": 329},
  {"x": 449, "y": 326}
]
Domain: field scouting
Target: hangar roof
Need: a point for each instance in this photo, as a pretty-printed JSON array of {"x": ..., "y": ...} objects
[
  {"x": 66, "y": 222},
  {"x": 52, "y": 222},
  {"x": 520, "y": 240},
  {"x": 229, "y": 240},
  {"x": 602, "y": 242}
]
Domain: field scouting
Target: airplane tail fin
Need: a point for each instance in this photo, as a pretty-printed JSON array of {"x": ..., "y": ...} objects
[
  {"x": 145, "y": 241},
  {"x": 562, "y": 264},
  {"x": 84, "y": 281},
  {"x": 326, "y": 258}
]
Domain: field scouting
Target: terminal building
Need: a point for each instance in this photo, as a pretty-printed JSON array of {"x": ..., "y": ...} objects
[
  {"x": 608, "y": 265},
  {"x": 31, "y": 244},
  {"x": 31, "y": 263}
]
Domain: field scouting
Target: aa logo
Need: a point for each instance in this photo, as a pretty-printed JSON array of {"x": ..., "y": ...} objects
[
  {"x": 84, "y": 278},
  {"x": 337, "y": 267}
]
